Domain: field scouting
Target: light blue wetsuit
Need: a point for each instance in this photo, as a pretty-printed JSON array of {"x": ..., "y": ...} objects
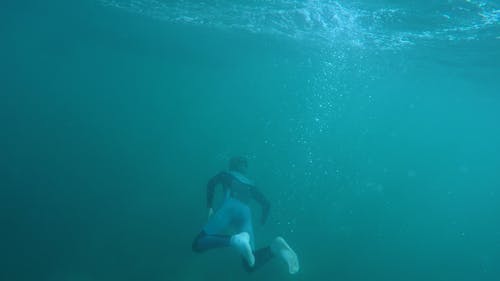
[{"x": 234, "y": 212}]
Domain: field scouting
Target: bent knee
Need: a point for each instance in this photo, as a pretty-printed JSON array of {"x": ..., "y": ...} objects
[{"x": 195, "y": 246}]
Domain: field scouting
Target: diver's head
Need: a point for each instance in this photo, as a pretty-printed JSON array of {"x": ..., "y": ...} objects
[{"x": 238, "y": 164}]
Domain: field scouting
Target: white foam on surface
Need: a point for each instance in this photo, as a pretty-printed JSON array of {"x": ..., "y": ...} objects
[{"x": 331, "y": 22}]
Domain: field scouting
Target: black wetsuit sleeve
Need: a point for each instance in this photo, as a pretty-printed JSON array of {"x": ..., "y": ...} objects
[
  {"x": 220, "y": 178},
  {"x": 264, "y": 203}
]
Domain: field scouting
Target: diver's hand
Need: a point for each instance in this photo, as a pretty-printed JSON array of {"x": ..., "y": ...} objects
[{"x": 210, "y": 212}]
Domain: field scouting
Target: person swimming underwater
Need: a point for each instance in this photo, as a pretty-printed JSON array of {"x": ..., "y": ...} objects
[{"x": 235, "y": 212}]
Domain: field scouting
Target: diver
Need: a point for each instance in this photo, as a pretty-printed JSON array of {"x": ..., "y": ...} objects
[{"x": 235, "y": 214}]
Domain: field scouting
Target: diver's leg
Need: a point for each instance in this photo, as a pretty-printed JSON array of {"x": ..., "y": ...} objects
[
  {"x": 205, "y": 241},
  {"x": 247, "y": 226},
  {"x": 210, "y": 237},
  {"x": 279, "y": 248},
  {"x": 243, "y": 242},
  {"x": 262, "y": 256}
]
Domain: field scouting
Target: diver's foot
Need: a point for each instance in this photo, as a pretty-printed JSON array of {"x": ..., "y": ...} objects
[
  {"x": 281, "y": 249},
  {"x": 241, "y": 242}
]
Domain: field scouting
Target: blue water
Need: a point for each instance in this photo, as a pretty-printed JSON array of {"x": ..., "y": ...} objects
[{"x": 371, "y": 126}]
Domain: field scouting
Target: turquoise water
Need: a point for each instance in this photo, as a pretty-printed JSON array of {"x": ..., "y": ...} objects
[{"x": 372, "y": 127}]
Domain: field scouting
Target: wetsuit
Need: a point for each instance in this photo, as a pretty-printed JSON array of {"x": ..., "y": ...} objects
[{"x": 234, "y": 212}]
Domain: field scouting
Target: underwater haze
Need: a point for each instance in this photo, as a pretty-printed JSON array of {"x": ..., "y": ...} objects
[{"x": 372, "y": 126}]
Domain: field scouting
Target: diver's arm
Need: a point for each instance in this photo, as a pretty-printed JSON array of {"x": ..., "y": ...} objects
[
  {"x": 211, "y": 190},
  {"x": 220, "y": 178},
  {"x": 264, "y": 203}
]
